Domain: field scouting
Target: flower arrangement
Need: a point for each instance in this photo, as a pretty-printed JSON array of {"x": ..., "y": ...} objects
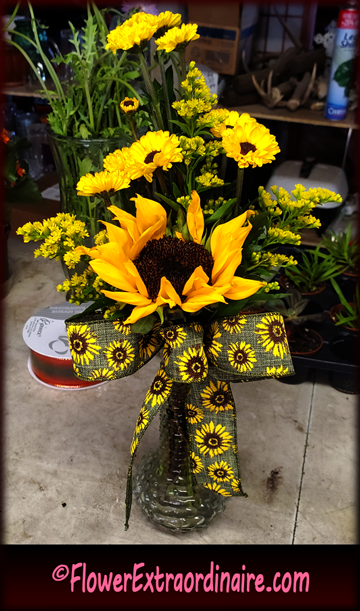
[{"x": 181, "y": 258}]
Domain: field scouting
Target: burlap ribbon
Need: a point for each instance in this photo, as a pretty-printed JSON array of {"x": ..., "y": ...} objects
[{"x": 238, "y": 348}]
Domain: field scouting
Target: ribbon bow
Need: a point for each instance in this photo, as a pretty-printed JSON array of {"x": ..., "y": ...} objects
[{"x": 238, "y": 348}]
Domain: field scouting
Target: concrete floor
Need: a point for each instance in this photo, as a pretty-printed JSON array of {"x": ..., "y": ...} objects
[{"x": 67, "y": 452}]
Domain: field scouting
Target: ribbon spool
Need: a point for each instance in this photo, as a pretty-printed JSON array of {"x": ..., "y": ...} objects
[{"x": 50, "y": 361}]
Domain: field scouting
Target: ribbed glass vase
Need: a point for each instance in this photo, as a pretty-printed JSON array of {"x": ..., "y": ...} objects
[
  {"x": 164, "y": 484},
  {"x": 74, "y": 158}
]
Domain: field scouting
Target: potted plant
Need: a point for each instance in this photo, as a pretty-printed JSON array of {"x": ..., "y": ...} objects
[
  {"x": 344, "y": 250},
  {"x": 310, "y": 275},
  {"x": 346, "y": 314}
]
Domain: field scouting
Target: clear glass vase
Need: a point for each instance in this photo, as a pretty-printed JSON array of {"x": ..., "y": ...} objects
[
  {"x": 165, "y": 487},
  {"x": 74, "y": 158}
]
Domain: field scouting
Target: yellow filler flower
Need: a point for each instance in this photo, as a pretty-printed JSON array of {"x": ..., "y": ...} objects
[
  {"x": 129, "y": 105},
  {"x": 177, "y": 37},
  {"x": 152, "y": 270},
  {"x": 153, "y": 150},
  {"x": 102, "y": 182},
  {"x": 250, "y": 143}
]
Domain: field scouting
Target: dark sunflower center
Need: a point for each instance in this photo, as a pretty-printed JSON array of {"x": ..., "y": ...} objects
[
  {"x": 220, "y": 473},
  {"x": 212, "y": 441},
  {"x": 276, "y": 332},
  {"x": 174, "y": 259},
  {"x": 150, "y": 157},
  {"x": 246, "y": 147},
  {"x": 128, "y": 103},
  {"x": 240, "y": 356}
]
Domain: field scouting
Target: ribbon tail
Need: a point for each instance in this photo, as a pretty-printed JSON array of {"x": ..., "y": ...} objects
[
  {"x": 213, "y": 437},
  {"x": 156, "y": 398}
]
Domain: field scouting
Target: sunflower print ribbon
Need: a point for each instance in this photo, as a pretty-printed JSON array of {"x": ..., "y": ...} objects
[{"x": 238, "y": 348}]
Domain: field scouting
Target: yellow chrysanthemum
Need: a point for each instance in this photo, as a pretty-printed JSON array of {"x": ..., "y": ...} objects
[
  {"x": 117, "y": 161},
  {"x": 250, "y": 143},
  {"x": 153, "y": 150},
  {"x": 136, "y": 261},
  {"x": 177, "y": 37},
  {"x": 232, "y": 119},
  {"x": 134, "y": 32},
  {"x": 168, "y": 19},
  {"x": 129, "y": 105},
  {"x": 102, "y": 182}
]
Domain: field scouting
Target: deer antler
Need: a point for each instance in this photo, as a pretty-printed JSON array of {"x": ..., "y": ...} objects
[{"x": 272, "y": 97}]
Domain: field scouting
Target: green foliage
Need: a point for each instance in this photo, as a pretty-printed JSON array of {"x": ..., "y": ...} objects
[
  {"x": 343, "y": 249},
  {"x": 19, "y": 187},
  {"x": 343, "y": 75},
  {"x": 350, "y": 315},
  {"x": 314, "y": 269},
  {"x": 292, "y": 308}
]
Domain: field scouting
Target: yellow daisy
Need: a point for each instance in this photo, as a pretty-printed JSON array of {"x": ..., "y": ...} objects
[
  {"x": 213, "y": 439},
  {"x": 221, "y": 471},
  {"x": 151, "y": 270},
  {"x": 134, "y": 32},
  {"x": 250, "y": 143},
  {"x": 177, "y": 38},
  {"x": 153, "y": 150},
  {"x": 129, "y": 105},
  {"x": 272, "y": 334},
  {"x": 119, "y": 354},
  {"x": 192, "y": 365},
  {"x": 241, "y": 356},
  {"x": 233, "y": 118},
  {"x": 159, "y": 390},
  {"x": 82, "y": 343},
  {"x": 102, "y": 183},
  {"x": 195, "y": 463},
  {"x": 217, "y": 488},
  {"x": 194, "y": 414},
  {"x": 217, "y": 396}
]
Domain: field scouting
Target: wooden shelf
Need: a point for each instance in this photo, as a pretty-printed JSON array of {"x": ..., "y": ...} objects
[
  {"x": 302, "y": 115},
  {"x": 26, "y": 90}
]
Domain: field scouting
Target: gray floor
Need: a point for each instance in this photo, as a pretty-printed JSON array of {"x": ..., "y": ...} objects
[{"x": 297, "y": 449}]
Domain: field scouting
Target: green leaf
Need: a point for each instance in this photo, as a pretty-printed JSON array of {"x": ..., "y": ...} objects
[
  {"x": 84, "y": 132},
  {"x": 219, "y": 213},
  {"x": 176, "y": 191},
  {"x": 85, "y": 166},
  {"x": 144, "y": 325},
  {"x": 171, "y": 203},
  {"x": 343, "y": 75},
  {"x": 131, "y": 75}
]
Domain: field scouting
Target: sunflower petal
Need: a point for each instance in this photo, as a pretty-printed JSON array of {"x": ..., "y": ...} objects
[
  {"x": 195, "y": 218},
  {"x": 114, "y": 276},
  {"x": 168, "y": 294},
  {"x": 242, "y": 288},
  {"x": 139, "y": 312},
  {"x": 148, "y": 213}
]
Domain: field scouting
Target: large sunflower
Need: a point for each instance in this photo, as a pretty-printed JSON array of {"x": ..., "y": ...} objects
[
  {"x": 151, "y": 270},
  {"x": 153, "y": 150},
  {"x": 249, "y": 143}
]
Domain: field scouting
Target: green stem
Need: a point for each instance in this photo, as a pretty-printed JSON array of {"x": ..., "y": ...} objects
[
  {"x": 103, "y": 101},
  {"x": 165, "y": 90},
  {"x": 89, "y": 103},
  {"x": 13, "y": 15},
  {"x": 161, "y": 179},
  {"x": 150, "y": 90},
  {"x": 133, "y": 129},
  {"x": 182, "y": 65},
  {"x": 239, "y": 186}
]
